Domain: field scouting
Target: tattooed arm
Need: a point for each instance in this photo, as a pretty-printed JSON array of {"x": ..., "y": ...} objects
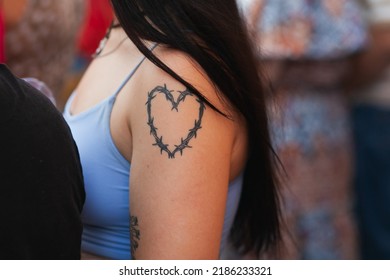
[{"x": 181, "y": 166}]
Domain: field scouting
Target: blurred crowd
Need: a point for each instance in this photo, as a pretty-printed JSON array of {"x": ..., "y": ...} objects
[
  {"x": 52, "y": 41},
  {"x": 326, "y": 64}
]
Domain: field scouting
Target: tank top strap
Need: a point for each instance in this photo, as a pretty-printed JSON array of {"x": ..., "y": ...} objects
[{"x": 128, "y": 77}]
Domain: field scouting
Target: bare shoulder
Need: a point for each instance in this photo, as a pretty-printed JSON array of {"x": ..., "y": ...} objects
[
  {"x": 181, "y": 161},
  {"x": 169, "y": 114},
  {"x": 187, "y": 68}
]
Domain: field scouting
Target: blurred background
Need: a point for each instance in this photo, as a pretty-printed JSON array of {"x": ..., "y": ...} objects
[
  {"x": 326, "y": 65},
  {"x": 53, "y": 41}
]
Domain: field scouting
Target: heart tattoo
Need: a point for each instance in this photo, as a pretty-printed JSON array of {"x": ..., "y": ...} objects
[{"x": 192, "y": 133}]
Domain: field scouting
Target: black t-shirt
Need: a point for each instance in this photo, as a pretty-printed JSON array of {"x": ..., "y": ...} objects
[{"x": 41, "y": 183}]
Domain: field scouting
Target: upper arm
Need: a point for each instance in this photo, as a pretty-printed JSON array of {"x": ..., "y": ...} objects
[{"x": 179, "y": 170}]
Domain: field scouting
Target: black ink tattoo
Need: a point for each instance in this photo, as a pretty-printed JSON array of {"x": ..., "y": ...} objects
[
  {"x": 192, "y": 133},
  {"x": 135, "y": 235}
]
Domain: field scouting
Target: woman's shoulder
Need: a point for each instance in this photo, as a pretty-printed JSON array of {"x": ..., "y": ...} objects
[
  {"x": 184, "y": 66},
  {"x": 167, "y": 114}
]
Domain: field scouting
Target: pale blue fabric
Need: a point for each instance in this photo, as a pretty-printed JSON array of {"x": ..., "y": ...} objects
[{"x": 106, "y": 176}]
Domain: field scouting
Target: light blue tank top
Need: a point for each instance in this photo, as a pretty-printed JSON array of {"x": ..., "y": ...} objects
[{"x": 106, "y": 177}]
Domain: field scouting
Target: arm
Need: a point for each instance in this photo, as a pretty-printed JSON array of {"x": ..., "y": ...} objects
[{"x": 180, "y": 168}]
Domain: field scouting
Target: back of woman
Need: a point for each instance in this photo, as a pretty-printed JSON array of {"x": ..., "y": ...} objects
[{"x": 173, "y": 136}]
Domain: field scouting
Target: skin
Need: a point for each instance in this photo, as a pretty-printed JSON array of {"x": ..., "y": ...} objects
[{"x": 179, "y": 202}]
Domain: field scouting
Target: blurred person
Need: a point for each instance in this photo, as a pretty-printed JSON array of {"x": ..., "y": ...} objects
[
  {"x": 41, "y": 42},
  {"x": 305, "y": 49},
  {"x": 42, "y": 190},
  {"x": 172, "y": 129},
  {"x": 10, "y": 13},
  {"x": 371, "y": 119}
]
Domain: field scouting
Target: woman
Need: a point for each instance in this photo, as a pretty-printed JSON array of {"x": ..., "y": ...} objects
[{"x": 171, "y": 126}]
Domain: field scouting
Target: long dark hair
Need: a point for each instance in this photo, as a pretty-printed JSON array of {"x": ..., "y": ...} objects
[{"x": 213, "y": 33}]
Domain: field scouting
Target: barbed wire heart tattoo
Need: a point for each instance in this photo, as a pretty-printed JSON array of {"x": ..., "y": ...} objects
[{"x": 192, "y": 132}]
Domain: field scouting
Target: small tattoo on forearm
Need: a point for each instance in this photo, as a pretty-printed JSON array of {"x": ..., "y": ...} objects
[
  {"x": 135, "y": 235},
  {"x": 192, "y": 132}
]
